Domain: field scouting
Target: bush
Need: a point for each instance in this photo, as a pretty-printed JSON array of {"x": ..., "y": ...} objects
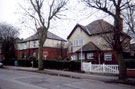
[
  {"x": 63, "y": 65},
  {"x": 32, "y": 58},
  {"x": 130, "y": 63},
  {"x": 9, "y": 62},
  {"x": 49, "y": 64}
]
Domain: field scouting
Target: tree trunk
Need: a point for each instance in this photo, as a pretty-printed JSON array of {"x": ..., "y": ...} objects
[
  {"x": 118, "y": 46},
  {"x": 122, "y": 66},
  {"x": 40, "y": 57}
]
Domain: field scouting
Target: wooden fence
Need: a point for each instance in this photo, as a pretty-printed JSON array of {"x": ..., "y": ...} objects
[{"x": 100, "y": 68}]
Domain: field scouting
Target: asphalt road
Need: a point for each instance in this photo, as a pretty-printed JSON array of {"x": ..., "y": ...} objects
[{"x": 14, "y": 79}]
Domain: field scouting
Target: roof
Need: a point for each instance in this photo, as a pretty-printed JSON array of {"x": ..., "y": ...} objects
[
  {"x": 96, "y": 27},
  {"x": 89, "y": 47},
  {"x": 132, "y": 47},
  {"x": 49, "y": 36},
  {"x": 99, "y": 26}
]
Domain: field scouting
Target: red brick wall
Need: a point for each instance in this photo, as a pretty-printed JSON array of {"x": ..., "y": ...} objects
[
  {"x": 114, "y": 61},
  {"x": 95, "y": 60},
  {"x": 52, "y": 52},
  {"x": 131, "y": 73}
]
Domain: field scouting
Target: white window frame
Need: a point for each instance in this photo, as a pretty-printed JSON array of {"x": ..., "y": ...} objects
[
  {"x": 75, "y": 43},
  {"x": 34, "y": 44},
  {"x": 83, "y": 56},
  {"x": 74, "y": 57},
  {"x": 90, "y": 55},
  {"x": 81, "y": 42},
  {"x": 108, "y": 56},
  {"x": 34, "y": 54},
  {"x": 78, "y": 42}
]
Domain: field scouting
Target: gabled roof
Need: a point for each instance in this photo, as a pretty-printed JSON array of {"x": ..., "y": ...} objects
[
  {"x": 99, "y": 26},
  {"x": 96, "y": 27},
  {"x": 49, "y": 36},
  {"x": 77, "y": 25},
  {"x": 89, "y": 47}
]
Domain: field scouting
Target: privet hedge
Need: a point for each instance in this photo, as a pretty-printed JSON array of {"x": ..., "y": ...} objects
[{"x": 49, "y": 64}]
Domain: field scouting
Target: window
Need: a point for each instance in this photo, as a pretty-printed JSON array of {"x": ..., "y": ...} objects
[
  {"x": 90, "y": 56},
  {"x": 81, "y": 42},
  {"x": 71, "y": 47},
  {"x": 75, "y": 43},
  {"x": 34, "y": 54},
  {"x": 23, "y": 55},
  {"x": 78, "y": 42},
  {"x": 34, "y": 44},
  {"x": 83, "y": 56},
  {"x": 74, "y": 57},
  {"x": 108, "y": 57}
]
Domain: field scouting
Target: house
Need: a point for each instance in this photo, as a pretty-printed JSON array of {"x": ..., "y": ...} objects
[
  {"x": 52, "y": 47},
  {"x": 92, "y": 42},
  {"x": 132, "y": 50}
]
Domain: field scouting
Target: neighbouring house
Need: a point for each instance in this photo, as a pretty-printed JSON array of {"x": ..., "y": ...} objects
[
  {"x": 92, "y": 42},
  {"x": 52, "y": 47},
  {"x": 132, "y": 50}
]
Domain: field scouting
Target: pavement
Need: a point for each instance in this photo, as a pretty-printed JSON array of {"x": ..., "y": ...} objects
[{"x": 104, "y": 78}]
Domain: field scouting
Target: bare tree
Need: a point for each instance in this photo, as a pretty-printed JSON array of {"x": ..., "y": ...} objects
[
  {"x": 8, "y": 37},
  {"x": 42, "y": 13},
  {"x": 129, "y": 18},
  {"x": 114, "y": 8},
  {"x": 61, "y": 50},
  {"x": 108, "y": 36}
]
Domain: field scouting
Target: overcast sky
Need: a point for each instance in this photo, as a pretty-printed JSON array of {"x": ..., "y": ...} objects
[{"x": 76, "y": 14}]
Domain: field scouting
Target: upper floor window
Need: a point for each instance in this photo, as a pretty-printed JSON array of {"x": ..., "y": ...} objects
[
  {"x": 71, "y": 47},
  {"x": 34, "y": 44},
  {"x": 90, "y": 56},
  {"x": 108, "y": 56},
  {"x": 81, "y": 42},
  {"x": 78, "y": 42}
]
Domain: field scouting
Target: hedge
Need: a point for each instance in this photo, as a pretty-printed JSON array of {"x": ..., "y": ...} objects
[
  {"x": 49, "y": 64},
  {"x": 58, "y": 64},
  {"x": 130, "y": 63}
]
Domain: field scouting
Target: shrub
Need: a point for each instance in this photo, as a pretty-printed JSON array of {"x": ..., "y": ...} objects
[
  {"x": 130, "y": 63},
  {"x": 32, "y": 58},
  {"x": 63, "y": 65},
  {"x": 50, "y": 64}
]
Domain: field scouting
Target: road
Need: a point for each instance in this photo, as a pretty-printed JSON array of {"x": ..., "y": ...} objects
[{"x": 14, "y": 79}]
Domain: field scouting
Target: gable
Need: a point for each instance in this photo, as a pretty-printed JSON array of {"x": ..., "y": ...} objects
[
  {"x": 75, "y": 28},
  {"x": 94, "y": 28}
]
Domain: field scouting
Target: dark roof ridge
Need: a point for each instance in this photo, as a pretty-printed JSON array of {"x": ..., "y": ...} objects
[
  {"x": 96, "y": 21},
  {"x": 50, "y": 35}
]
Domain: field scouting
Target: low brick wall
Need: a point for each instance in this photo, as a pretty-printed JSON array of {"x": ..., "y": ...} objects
[{"x": 131, "y": 73}]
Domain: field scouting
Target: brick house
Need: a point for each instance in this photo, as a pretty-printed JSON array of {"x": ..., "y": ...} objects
[
  {"x": 132, "y": 50},
  {"x": 29, "y": 47},
  {"x": 94, "y": 41}
]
